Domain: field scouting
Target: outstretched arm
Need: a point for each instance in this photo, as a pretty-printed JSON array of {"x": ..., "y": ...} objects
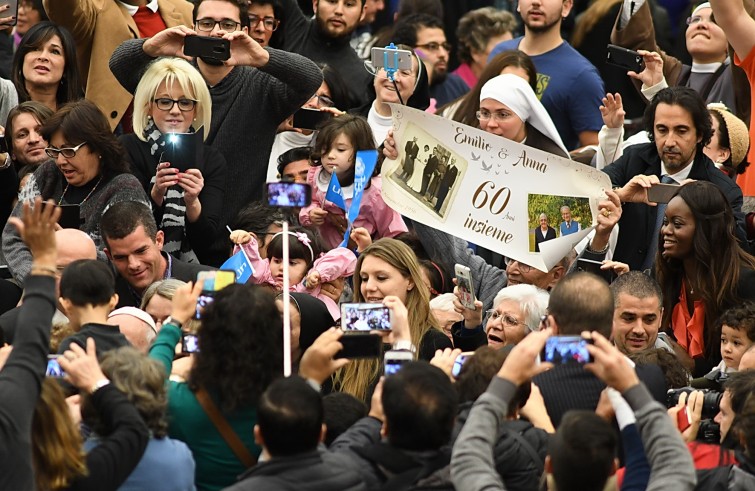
[{"x": 736, "y": 23}]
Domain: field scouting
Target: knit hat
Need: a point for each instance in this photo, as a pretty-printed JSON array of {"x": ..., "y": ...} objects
[{"x": 739, "y": 137}]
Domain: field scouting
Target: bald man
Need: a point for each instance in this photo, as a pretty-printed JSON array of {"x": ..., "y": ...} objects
[{"x": 72, "y": 244}]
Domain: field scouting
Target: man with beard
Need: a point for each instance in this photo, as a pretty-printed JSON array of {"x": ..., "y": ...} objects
[
  {"x": 326, "y": 39},
  {"x": 679, "y": 126},
  {"x": 425, "y": 34},
  {"x": 568, "y": 85}
]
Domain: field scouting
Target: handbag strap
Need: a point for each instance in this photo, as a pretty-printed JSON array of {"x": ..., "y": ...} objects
[{"x": 225, "y": 430}]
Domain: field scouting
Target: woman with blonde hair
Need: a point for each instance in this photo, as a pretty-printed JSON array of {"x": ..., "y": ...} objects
[
  {"x": 388, "y": 272},
  {"x": 172, "y": 97}
]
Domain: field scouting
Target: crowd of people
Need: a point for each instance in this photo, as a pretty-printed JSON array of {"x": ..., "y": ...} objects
[{"x": 138, "y": 138}]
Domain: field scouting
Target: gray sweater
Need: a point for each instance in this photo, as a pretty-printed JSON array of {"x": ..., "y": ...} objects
[
  {"x": 48, "y": 182},
  {"x": 247, "y": 107},
  {"x": 473, "y": 468},
  {"x": 488, "y": 280}
]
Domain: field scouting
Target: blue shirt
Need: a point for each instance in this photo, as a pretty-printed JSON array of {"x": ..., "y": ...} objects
[{"x": 569, "y": 87}]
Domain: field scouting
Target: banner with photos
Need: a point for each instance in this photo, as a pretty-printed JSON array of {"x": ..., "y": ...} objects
[{"x": 526, "y": 204}]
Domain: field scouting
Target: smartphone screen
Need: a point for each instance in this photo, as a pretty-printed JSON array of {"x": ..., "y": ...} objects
[
  {"x": 566, "y": 349},
  {"x": 365, "y": 317},
  {"x": 70, "y": 216},
  {"x": 189, "y": 343},
  {"x": 53, "y": 367},
  {"x": 662, "y": 193},
  {"x": 593, "y": 267},
  {"x": 464, "y": 284},
  {"x": 288, "y": 194},
  {"x": 213, "y": 281},
  {"x": 393, "y": 361},
  {"x": 459, "y": 362}
]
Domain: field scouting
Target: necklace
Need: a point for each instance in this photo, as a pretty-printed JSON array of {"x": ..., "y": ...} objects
[{"x": 87, "y": 196}]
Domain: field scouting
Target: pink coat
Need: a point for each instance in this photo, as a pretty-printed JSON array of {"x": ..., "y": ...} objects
[
  {"x": 378, "y": 218},
  {"x": 336, "y": 263}
]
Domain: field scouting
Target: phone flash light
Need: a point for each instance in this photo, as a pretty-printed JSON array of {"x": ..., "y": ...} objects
[{"x": 173, "y": 138}]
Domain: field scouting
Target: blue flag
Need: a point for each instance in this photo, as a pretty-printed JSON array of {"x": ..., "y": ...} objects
[
  {"x": 335, "y": 193},
  {"x": 241, "y": 265},
  {"x": 365, "y": 165}
]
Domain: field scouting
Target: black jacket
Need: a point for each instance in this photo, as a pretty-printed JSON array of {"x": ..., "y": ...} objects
[
  {"x": 519, "y": 452},
  {"x": 637, "y": 222},
  {"x": 180, "y": 270},
  {"x": 310, "y": 471}
]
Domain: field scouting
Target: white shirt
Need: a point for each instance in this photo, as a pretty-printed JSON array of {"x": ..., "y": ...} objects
[{"x": 132, "y": 9}]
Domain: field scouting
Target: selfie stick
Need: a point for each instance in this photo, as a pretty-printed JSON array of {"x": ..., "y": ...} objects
[
  {"x": 392, "y": 68},
  {"x": 286, "y": 306}
]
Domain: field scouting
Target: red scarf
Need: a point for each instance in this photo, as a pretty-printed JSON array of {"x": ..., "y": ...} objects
[{"x": 688, "y": 330}]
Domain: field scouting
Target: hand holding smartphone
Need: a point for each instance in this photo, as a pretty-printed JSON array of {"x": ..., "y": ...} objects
[
  {"x": 393, "y": 360},
  {"x": 358, "y": 345},
  {"x": 561, "y": 350},
  {"x": 662, "y": 193},
  {"x": 365, "y": 317},
  {"x": 465, "y": 286},
  {"x": 214, "y": 281},
  {"x": 625, "y": 58}
]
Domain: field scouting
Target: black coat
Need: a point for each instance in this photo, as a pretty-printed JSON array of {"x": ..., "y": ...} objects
[
  {"x": 637, "y": 222},
  {"x": 310, "y": 471},
  {"x": 550, "y": 234}
]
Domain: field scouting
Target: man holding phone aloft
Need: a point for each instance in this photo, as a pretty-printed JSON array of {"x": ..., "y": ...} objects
[{"x": 260, "y": 88}]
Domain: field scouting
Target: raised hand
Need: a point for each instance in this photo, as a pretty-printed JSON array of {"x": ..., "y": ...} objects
[
  {"x": 169, "y": 42},
  {"x": 612, "y": 111},
  {"x": 653, "y": 72},
  {"x": 245, "y": 51}
]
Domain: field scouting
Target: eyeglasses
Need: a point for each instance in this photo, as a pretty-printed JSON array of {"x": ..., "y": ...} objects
[
  {"x": 524, "y": 268},
  {"x": 507, "y": 319},
  {"x": 433, "y": 47},
  {"x": 382, "y": 74},
  {"x": 68, "y": 152},
  {"x": 269, "y": 23},
  {"x": 696, "y": 19},
  {"x": 208, "y": 25},
  {"x": 498, "y": 116},
  {"x": 166, "y": 104},
  {"x": 323, "y": 100}
]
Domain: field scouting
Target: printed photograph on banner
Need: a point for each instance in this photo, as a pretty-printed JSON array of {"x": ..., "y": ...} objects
[
  {"x": 551, "y": 216},
  {"x": 430, "y": 171}
]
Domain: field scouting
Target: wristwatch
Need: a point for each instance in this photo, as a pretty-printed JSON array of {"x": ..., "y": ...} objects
[{"x": 171, "y": 320}]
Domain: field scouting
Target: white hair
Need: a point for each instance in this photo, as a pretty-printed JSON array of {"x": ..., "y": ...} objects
[
  {"x": 532, "y": 300},
  {"x": 444, "y": 302}
]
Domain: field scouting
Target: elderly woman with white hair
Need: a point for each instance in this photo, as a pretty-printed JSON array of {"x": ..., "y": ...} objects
[
  {"x": 517, "y": 311},
  {"x": 510, "y": 108}
]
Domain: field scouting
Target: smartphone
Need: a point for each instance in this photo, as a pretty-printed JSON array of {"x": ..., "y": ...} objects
[
  {"x": 625, "y": 58},
  {"x": 182, "y": 150},
  {"x": 207, "y": 47},
  {"x": 189, "y": 343},
  {"x": 394, "y": 59},
  {"x": 365, "y": 317},
  {"x": 360, "y": 345},
  {"x": 310, "y": 119},
  {"x": 12, "y": 11},
  {"x": 460, "y": 361},
  {"x": 593, "y": 267},
  {"x": 662, "y": 193},
  {"x": 53, "y": 367},
  {"x": 566, "y": 349},
  {"x": 465, "y": 285},
  {"x": 70, "y": 216},
  {"x": 683, "y": 419},
  {"x": 214, "y": 281},
  {"x": 394, "y": 360},
  {"x": 288, "y": 194}
]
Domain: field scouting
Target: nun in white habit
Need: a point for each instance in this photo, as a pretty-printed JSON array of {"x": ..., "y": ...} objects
[{"x": 509, "y": 108}]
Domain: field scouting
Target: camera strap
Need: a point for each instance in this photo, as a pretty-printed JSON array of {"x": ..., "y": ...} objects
[{"x": 225, "y": 430}]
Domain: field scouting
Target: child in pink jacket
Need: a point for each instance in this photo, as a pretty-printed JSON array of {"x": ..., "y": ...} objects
[
  {"x": 308, "y": 267},
  {"x": 336, "y": 147}
]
